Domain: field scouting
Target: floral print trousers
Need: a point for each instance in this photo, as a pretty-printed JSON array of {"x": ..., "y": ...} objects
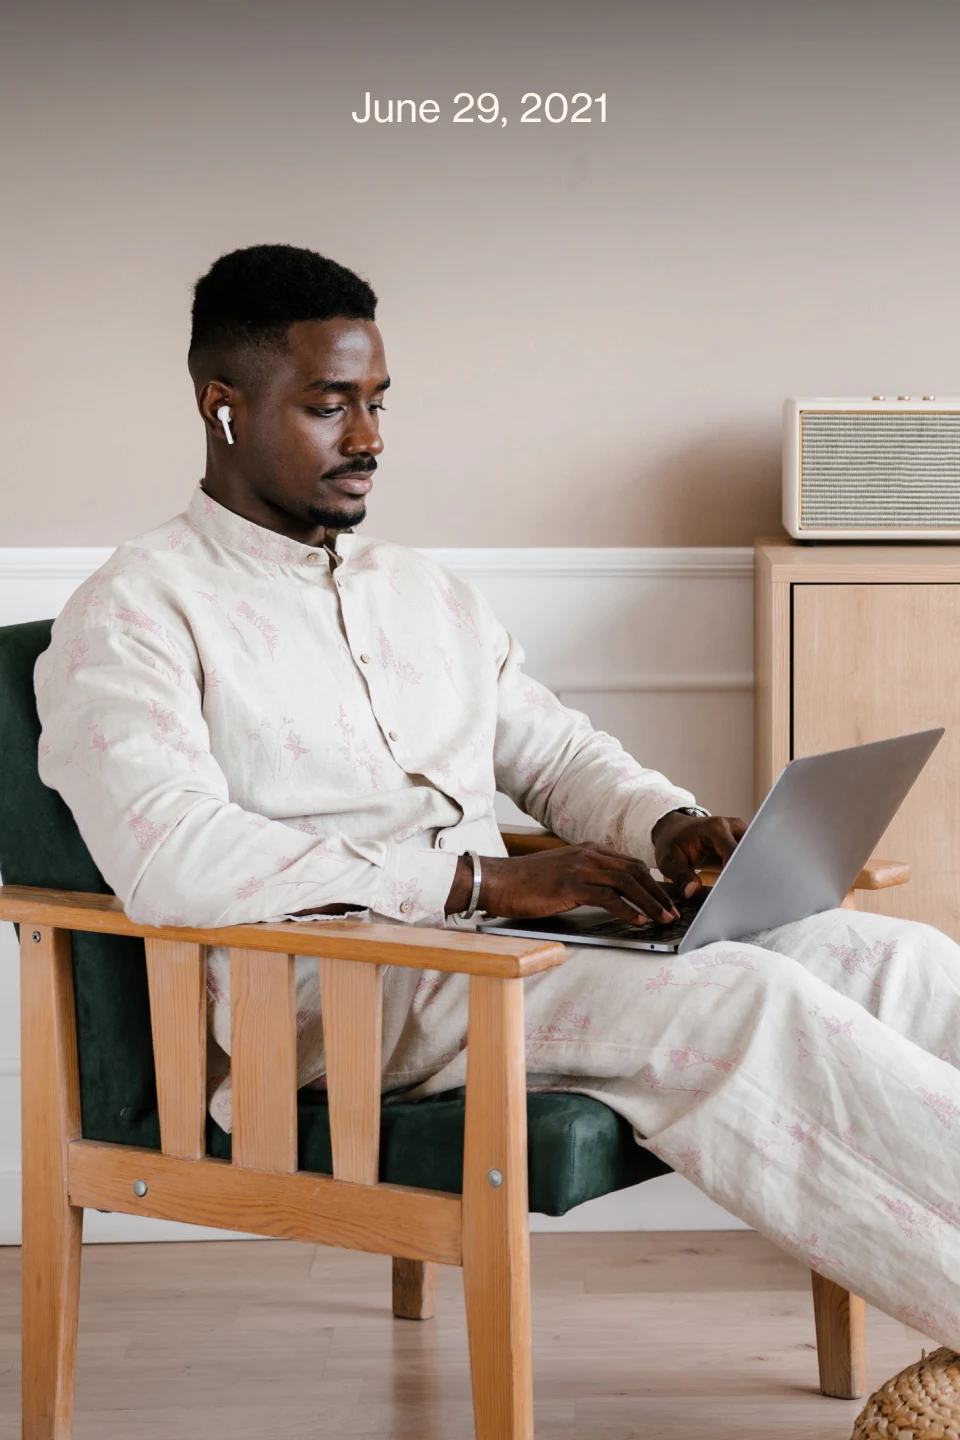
[{"x": 806, "y": 1079}]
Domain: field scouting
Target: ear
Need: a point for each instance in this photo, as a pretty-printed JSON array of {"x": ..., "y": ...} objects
[{"x": 210, "y": 397}]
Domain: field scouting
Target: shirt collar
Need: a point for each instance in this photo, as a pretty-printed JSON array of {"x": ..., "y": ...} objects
[{"x": 236, "y": 533}]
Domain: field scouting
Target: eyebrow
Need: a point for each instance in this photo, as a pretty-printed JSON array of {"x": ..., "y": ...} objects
[{"x": 343, "y": 387}]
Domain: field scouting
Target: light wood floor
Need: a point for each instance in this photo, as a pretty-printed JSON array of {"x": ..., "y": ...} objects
[{"x": 655, "y": 1335}]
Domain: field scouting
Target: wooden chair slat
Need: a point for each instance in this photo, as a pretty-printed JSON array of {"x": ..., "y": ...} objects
[
  {"x": 176, "y": 974},
  {"x": 52, "y": 1224},
  {"x": 351, "y": 998},
  {"x": 382, "y": 1219},
  {"x": 263, "y": 1060},
  {"x": 496, "y": 1236},
  {"x": 414, "y": 1289},
  {"x": 840, "y": 1320}
]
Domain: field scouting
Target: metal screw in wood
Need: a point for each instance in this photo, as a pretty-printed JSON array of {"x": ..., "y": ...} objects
[
  {"x": 36, "y": 937},
  {"x": 140, "y": 1188},
  {"x": 921, "y": 1403},
  {"x": 495, "y": 1178}
]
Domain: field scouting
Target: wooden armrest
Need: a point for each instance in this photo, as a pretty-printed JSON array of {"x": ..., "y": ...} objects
[
  {"x": 880, "y": 874},
  {"x": 875, "y": 875},
  {"x": 497, "y": 956},
  {"x": 528, "y": 839}
]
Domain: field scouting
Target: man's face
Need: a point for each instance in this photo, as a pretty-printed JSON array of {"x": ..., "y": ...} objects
[{"x": 311, "y": 426}]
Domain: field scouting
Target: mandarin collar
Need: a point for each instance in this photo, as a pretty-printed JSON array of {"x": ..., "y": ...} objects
[{"x": 236, "y": 533}]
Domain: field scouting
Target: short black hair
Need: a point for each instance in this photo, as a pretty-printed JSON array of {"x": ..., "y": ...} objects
[{"x": 251, "y": 297}]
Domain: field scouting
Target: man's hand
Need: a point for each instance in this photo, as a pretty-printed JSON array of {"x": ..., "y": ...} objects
[
  {"x": 682, "y": 842},
  {"x": 560, "y": 879}
]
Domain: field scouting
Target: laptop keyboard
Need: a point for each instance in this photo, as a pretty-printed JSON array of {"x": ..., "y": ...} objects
[{"x": 615, "y": 929}]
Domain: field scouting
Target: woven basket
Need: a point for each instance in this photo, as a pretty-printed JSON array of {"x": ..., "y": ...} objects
[{"x": 921, "y": 1403}]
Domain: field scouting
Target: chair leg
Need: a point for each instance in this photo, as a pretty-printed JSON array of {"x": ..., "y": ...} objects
[
  {"x": 496, "y": 1232},
  {"x": 841, "y": 1341},
  {"x": 52, "y": 1227},
  {"x": 414, "y": 1289}
]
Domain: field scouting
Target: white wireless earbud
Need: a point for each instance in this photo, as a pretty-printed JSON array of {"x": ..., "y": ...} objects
[{"x": 224, "y": 416}]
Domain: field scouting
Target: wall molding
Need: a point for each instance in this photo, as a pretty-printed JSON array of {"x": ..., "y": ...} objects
[
  {"x": 63, "y": 562},
  {"x": 735, "y": 682},
  {"x": 53, "y": 562},
  {"x": 655, "y": 562}
]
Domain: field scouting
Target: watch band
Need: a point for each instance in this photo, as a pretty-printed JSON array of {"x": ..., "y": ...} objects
[
  {"x": 696, "y": 810},
  {"x": 471, "y": 909}
]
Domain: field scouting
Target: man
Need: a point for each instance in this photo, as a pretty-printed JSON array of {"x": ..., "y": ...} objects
[{"x": 253, "y": 713}]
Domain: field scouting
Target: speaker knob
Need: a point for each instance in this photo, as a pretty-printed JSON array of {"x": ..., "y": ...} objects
[
  {"x": 929, "y": 397},
  {"x": 879, "y": 397},
  {"x": 903, "y": 397}
]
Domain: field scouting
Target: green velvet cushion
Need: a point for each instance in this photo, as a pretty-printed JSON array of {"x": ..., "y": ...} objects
[{"x": 578, "y": 1148}]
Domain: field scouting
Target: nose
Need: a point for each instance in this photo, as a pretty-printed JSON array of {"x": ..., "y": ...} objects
[{"x": 363, "y": 435}]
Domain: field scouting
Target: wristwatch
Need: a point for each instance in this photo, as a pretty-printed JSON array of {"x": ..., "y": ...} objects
[{"x": 696, "y": 810}]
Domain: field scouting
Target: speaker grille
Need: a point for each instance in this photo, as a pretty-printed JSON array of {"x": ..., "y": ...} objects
[{"x": 887, "y": 470}]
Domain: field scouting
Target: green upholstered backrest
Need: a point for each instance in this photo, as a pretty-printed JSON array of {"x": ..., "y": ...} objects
[
  {"x": 578, "y": 1148},
  {"x": 41, "y": 845}
]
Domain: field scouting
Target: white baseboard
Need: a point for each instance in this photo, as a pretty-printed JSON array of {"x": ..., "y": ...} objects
[{"x": 655, "y": 644}]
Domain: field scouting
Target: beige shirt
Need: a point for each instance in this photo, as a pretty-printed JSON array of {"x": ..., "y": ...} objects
[{"x": 243, "y": 728}]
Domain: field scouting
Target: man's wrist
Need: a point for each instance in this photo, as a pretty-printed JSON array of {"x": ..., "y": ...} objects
[
  {"x": 460, "y": 891},
  {"x": 459, "y": 897},
  {"x": 684, "y": 812}
]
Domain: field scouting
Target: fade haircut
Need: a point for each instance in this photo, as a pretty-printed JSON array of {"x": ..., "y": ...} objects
[{"x": 245, "y": 304}]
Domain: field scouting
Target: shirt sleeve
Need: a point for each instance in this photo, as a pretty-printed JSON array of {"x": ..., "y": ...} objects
[
  {"x": 577, "y": 781},
  {"x": 125, "y": 743}
]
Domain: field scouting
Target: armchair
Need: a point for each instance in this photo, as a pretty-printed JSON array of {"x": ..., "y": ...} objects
[{"x": 114, "y": 1102}]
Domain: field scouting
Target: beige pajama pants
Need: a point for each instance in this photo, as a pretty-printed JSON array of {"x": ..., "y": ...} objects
[{"x": 807, "y": 1080}]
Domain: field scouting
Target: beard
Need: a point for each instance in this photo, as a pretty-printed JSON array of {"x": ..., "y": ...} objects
[{"x": 333, "y": 518}]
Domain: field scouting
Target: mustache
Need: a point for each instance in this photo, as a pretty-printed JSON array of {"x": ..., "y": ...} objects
[{"x": 363, "y": 465}]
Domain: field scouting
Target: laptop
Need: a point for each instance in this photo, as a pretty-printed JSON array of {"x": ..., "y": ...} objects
[{"x": 800, "y": 854}]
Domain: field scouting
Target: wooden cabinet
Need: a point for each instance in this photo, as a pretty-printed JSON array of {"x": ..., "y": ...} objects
[{"x": 856, "y": 643}]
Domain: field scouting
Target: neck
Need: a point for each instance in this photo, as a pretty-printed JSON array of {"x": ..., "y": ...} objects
[{"x": 237, "y": 497}]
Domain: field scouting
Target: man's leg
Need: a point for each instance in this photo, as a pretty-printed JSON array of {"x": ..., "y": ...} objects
[
  {"x": 906, "y": 974},
  {"x": 789, "y": 1103}
]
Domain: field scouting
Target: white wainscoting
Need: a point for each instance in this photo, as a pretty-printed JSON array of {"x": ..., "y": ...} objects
[{"x": 655, "y": 645}]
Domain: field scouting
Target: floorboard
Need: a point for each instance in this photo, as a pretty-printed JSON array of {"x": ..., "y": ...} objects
[{"x": 663, "y": 1336}]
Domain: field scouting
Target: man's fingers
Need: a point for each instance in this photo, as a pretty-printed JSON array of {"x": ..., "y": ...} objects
[
  {"x": 676, "y": 869},
  {"x": 647, "y": 899},
  {"x": 609, "y": 899},
  {"x": 722, "y": 838},
  {"x": 614, "y": 865}
]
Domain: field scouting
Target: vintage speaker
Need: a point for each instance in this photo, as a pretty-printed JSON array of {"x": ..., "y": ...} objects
[{"x": 873, "y": 469}]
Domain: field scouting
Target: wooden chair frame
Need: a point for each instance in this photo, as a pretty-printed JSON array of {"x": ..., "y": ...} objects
[{"x": 485, "y": 1230}]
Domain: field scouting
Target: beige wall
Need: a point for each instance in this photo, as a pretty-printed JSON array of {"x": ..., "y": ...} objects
[{"x": 590, "y": 328}]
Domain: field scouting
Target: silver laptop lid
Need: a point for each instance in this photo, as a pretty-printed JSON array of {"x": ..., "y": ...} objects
[{"x": 811, "y": 837}]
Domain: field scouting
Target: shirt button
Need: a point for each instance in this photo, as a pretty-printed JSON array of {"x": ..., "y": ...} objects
[
  {"x": 442, "y": 843},
  {"x": 313, "y": 558},
  {"x": 405, "y": 907},
  {"x": 393, "y": 735},
  {"x": 365, "y": 658}
]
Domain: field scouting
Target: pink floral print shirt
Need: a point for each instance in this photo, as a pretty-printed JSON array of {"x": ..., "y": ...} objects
[{"x": 244, "y": 726}]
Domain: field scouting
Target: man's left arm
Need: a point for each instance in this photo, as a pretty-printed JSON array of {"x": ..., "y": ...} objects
[{"x": 581, "y": 784}]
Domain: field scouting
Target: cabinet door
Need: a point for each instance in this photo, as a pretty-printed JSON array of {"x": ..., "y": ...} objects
[{"x": 871, "y": 661}]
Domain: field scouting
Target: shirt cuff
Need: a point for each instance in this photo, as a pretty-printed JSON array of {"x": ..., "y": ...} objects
[
  {"x": 415, "y": 885},
  {"x": 660, "y": 804}
]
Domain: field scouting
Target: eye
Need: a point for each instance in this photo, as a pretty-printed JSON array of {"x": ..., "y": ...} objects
[
  {"x": 326, "y": 413},
  {"x": 378, "y": 406}
]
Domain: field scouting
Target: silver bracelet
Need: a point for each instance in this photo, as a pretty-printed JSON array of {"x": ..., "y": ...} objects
[{"x": 471, "y": 909}]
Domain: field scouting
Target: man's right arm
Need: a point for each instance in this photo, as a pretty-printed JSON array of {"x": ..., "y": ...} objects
[{"x": 125, "y": 743}]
